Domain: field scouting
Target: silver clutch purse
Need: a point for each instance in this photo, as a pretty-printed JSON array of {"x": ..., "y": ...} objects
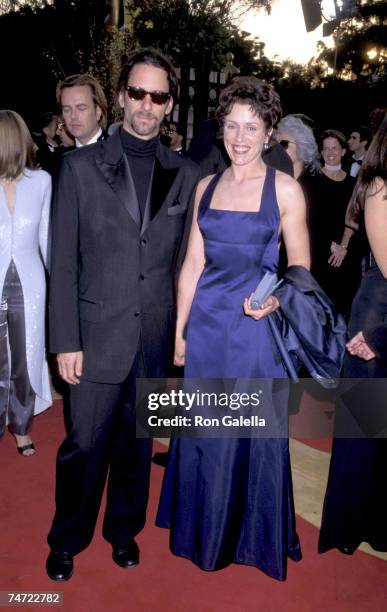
[{"x": 265, "y": 288}]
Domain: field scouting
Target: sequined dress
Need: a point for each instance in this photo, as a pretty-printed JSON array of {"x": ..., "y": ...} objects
[{"x": 24, "y": 239}]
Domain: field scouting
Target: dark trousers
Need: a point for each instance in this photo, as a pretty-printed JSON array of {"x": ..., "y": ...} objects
[
  {"x": 17, "y": 398},
  {"x": 102, "y": 438}
]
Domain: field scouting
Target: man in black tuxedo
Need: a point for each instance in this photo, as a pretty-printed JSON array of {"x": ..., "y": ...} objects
[
  {"x": 48, "y": 153},
  {"x": 118, "y": 224},
  {"x": 358, "y": 142}
]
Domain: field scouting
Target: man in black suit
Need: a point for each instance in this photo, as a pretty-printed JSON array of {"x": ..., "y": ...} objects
[
  {"x": 358, "y": 142},
  {"x": 48, "y": 146},
  {"x": 119, "y": 219}
]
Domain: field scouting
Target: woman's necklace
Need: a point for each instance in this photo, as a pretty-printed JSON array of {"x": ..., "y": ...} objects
[{"x": 333, "y": 172}]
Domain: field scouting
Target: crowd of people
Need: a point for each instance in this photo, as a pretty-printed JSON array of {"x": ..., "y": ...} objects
[{"x": 132, "y": 213}]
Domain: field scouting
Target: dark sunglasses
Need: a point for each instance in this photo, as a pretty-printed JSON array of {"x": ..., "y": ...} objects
[
  {"x": 157, "y": 97},
  {"x": 285, "y": 143}
]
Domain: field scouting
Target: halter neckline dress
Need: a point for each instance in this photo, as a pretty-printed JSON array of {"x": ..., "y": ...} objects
[{"x": 230, "y": 500}]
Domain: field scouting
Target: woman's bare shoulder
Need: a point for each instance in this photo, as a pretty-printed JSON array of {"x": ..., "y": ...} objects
[
  {"x": 286, "y": 184},
  {"x": 377, "y": 189},
  {"x": 282, "y": 178},
  {"x": 202, "y": 184},
  {"x": 204, "y": 181}
]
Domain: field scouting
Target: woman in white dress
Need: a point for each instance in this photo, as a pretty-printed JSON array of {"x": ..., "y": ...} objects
[{"x": 25, "y": 196}]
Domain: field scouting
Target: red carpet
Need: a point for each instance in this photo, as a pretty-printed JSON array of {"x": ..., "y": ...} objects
[
  {"x": 313, "y": 423},
  {"x": 163, "y": 582}
]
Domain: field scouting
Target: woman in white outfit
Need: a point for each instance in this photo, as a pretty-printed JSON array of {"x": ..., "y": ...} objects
[{"x": 25, "y": 196}]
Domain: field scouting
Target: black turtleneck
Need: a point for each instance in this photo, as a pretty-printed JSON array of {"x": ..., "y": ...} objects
[{"x": 140, "y": 155}]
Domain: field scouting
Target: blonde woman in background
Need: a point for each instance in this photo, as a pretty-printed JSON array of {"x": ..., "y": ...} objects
[{"x": 25, "y": 196}]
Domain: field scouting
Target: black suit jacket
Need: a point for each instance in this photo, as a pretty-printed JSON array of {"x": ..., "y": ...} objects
[
  {"x": 47, "y": 159},
  {"x": 112, "y": 276}
]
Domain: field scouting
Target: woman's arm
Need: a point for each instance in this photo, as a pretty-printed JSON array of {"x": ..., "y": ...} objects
[
  {"x": 339, "y": 251},
  {"x": 44, "y": 239},
  {"x": 190, "y": 272},
  {"x": 292, "y": 207},
  {"x": 375, "y": 214}
]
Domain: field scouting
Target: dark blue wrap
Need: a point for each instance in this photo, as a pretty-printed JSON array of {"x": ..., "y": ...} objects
[{"x": 307, "y": 329}]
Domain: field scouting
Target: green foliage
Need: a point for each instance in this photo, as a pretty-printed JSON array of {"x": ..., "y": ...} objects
[
  {"x": 42, "y": 42},
  {"x": 294, "y": 75},
  {"x": 191, "y": 31},
  {"x": 50, "y": 42},
  {"x": 69, "y": 36},
  {"x": 362, "y": 44}
]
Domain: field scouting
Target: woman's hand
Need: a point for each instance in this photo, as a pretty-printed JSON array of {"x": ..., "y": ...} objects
[
  {"x": 338, "y": 253},
  {"x": 265, "y": 309},
  {"x": 179, "y": 356},
  {"x": 358, "y": 347}
]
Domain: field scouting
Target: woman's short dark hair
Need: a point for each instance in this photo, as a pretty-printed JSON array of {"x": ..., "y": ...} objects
[
  {"x": 259, "y": 95},
  {"x": 149, "y": 57},
  {"x": 339, "y": 136}
]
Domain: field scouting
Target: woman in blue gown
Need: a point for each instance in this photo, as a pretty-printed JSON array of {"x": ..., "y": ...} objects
[{"x": 230, "y": 500}]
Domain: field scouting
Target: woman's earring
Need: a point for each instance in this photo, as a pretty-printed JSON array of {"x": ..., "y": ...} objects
[{"x": 265, "y": 146}]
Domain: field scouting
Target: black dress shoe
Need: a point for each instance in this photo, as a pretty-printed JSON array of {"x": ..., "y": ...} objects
[
  {"x": 126, "y": 555},
  {"x": 59, "y": 566}
]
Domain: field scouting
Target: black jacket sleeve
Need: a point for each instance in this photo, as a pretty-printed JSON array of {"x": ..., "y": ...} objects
[
  {"x": 63, "y": 298},
  {"x": 376, "y": 338}
]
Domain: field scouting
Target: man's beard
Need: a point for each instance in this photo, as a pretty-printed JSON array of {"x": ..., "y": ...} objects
[{"x": 144, "y": 129}]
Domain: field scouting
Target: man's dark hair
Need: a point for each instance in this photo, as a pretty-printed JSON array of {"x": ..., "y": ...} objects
[
  {"x": 257, "y": 94},
  {"x": 46, "y": 118},
  {"x": 364, "y": 133},
  {"x": 149, "y": 57}
]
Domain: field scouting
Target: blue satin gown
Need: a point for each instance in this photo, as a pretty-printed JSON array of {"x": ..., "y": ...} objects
[{"x": 230, "y": 500}]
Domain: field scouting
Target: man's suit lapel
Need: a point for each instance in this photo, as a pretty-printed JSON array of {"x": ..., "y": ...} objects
[
  {"x": 164, "y": 174},
  {"x": 115, "y": 168}
]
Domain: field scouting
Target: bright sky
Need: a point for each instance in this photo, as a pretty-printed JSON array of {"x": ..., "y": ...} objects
[{"x": 284, "y": 31}]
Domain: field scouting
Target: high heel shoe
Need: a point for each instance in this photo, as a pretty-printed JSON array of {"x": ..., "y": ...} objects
[
  {"x": 27, "y": 449},
  {"x": 22, "y": 450}
]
